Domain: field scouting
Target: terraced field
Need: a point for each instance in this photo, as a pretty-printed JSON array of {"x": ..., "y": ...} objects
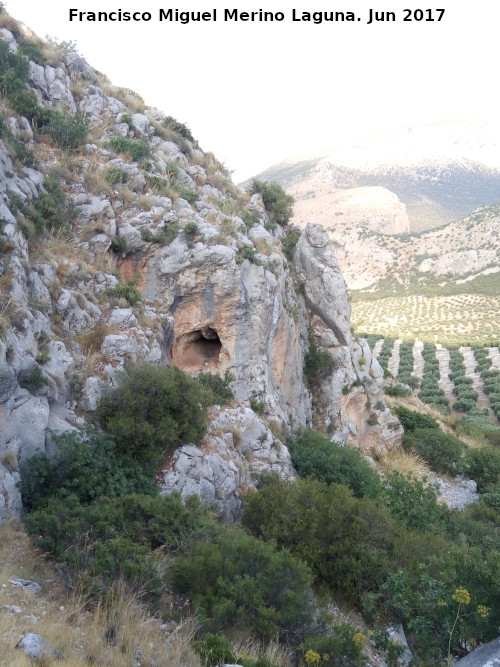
[
  {"x": 462, "y": 380},
  {"x": 453, "y": 320}
]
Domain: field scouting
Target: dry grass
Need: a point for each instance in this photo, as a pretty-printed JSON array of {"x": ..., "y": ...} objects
[
  {"x": 277, "y": 654},
  {"x": 92, "y": 340},
  {"x": 115, "y": 634},
  {"x": 406, "y": 463}
]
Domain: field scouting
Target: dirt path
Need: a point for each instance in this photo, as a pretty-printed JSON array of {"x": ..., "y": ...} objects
[
  {"x": 418, "y": 360},
  {"x": 443, "y": 357},
  {"x": 393, "y": 363},
  {"x": 377, "y": 347}
]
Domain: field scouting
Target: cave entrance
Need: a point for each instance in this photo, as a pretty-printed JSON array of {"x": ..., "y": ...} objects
[{"x": 198, "y": 351}]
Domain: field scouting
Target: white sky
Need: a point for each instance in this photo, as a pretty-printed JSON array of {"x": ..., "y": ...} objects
[{"x": 255, "y": 93}]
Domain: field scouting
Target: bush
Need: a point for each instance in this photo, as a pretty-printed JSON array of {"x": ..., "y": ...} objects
[
  {"x": 317, "y": 457},
  {"x": 341, "y": 648},
  {"x": 52, "y": 210},
  {"x": 442, "y": 451},
  {"x": 411, "y": 420},
  {"x": 347, "y": 542},
  {"x": 413, "y": 503},
  {"x": 69, "y": 130},
  {"x": 278, "y": 204},
  {"x": 34, "y": 380},
  {"x": 182, "y": 129},
  {"x": 127, "y": 291},
  {"x": 84, "y": 465},
  {"x": 289, "y": 241},
  {"x": 318, "y": 363},
  {"x": 115, "y": 175},
  {"x": 483, "y": 465},
  {"x": 153, "y": 411},
  {"x": 190, "y": 230},
  {"x": 119, "y": 245},
  {"x": 214, "y": 649},
  {"x": 136, "y": 148},
  {"x": 219, "y": 387},
  {"x": 239, "y": 581},
  {"x": 396, "y": 390},
  {"x": 114, "y": 538}
]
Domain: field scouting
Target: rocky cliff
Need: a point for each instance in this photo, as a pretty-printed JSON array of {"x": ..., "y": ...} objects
[{"x": 136, "y": 247}]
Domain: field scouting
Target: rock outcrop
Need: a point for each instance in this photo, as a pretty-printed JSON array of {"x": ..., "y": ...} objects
[{"x": 162, "y": 260}]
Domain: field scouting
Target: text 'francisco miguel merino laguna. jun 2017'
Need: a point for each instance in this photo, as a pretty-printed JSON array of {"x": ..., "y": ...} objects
[{"x": 369, "y": 16}]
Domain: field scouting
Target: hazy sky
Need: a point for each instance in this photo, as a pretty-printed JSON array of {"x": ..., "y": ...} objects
[{"x": 255, "y": 92}]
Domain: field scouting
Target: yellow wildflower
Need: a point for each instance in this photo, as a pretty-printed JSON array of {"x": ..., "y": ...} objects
[
  {"x": 442, "y": 603},
  {"x": 482, "y": 611},
  {"x": 312, "y": 658},
  {"x": 358, "y": 639},
  {"x": 461, "y": 595}
]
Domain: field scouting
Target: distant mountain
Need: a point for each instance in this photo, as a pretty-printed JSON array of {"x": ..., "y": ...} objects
[{"x": 440, "y": 172}]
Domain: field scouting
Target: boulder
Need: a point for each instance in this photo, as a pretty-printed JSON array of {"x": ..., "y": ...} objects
[{"x": 487, "y": 655}]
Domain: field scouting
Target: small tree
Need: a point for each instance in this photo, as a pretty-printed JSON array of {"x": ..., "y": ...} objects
[
  {"x": 154, "y": 410},
  {"x": 278, "y": 204}
]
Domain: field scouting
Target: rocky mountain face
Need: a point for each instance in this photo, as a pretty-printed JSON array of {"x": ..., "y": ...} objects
[
  {"x": 440, "y": 172},
  {"x": 136, "y": 247},
  {"x": 401, "y": 208}
]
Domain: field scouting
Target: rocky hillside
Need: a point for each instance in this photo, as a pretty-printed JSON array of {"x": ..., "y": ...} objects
[{"x": 123, "y": 243}]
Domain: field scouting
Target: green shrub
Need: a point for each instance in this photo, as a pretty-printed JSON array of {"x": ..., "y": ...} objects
[
  {"x": 278, "y": 204},
  {"x": 413, "y": 502},
  {"x": 411, "y": 420},
  {"x": 442, "y": 451},
  {"x": 153, "y": 411},
  {"x": 190, "y": 230},
  {"x": 341, "y": 648},
  {"x": 52, "y": 210},
  {"x": 239, "y": 581},
  {"x": 119, "y": 244},
  {"x": 259, "y": 407},
  {"x": 317, "y": 457},
  {"x": 84, "y": 465},
  {"x": 318, "y": 363},
  {"x": 347, "y": 542},
  {"x": 136, "y": 148},
  {"x": 483, "y": 465},
  {"x": 14, "y": 71},
  {"x": 32, "y": 52},
  {"x": 214, "y": 649},
  {"x": 219, "y": 386},
  {"x": 247, "y": 252},
  {"x": 182, "y": 129},
  {"x": 115, "y": 175},
  {"x": 396, "y": 390},
  {"x": 23, "y": 153},
  {"x": 69, "y": 130},
  {"x": 127, "y": 291},
  {"x": 114, "y": 538},
  {"x": 191, "y": 196},
  {"x": 32, "y": 381},
  {"x": 289, "y": 241}
]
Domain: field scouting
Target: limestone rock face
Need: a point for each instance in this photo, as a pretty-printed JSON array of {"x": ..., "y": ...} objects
[
  {"x": 232, "y": 316},
  {"x": 237, "y": 449}
]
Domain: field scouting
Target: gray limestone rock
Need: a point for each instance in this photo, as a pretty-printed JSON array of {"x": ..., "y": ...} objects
[
  {"x": 238, "y": 448},
  {"x": 36, "y": 647},
  {"x": 93, "y": 390},
  {"x": 325, "y": 290},
  {"x": 484, "y": 656}
]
